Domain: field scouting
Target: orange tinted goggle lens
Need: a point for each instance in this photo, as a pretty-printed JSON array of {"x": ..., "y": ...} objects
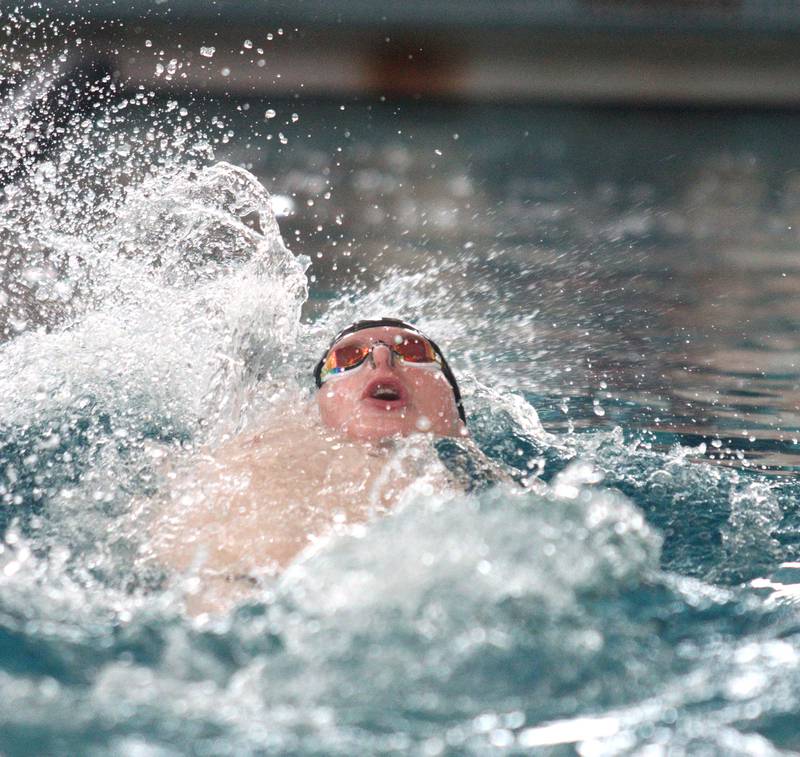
[
  {"x": 415, "y": 350},
  {"x": 348, "y": 356}
]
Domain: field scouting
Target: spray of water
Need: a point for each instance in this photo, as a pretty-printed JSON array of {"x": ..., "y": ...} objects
[{"x": 150, "y": 308}]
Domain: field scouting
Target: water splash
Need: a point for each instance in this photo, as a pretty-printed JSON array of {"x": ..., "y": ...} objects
[{"x": 150, "y": 306}]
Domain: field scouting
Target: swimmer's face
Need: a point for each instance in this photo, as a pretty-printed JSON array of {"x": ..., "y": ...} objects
[{"x": 387, "y": 396}]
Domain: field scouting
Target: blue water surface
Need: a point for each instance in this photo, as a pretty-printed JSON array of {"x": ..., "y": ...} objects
[{"x": 617, "y": 291}]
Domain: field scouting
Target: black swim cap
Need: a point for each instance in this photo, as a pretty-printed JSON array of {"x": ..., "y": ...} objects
[{"x": 361, "y": 325}]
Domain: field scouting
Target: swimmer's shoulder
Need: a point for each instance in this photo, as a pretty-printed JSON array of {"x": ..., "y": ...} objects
[
  {"x": 475, "y": 471},
  {"x": 465, "y": 460}
]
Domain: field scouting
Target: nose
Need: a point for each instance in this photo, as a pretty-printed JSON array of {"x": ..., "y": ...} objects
[{"x": 382, "y": 356}]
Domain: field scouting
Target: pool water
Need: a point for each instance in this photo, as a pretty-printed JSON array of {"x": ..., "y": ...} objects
[
  {"x": 650, "y": 251},
  {"x": 616, "y": 290}
]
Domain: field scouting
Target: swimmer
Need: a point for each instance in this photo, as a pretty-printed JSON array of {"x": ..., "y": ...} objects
[
  {"x": 246, "y": 510},
  {"x": 385, "y": 378}
]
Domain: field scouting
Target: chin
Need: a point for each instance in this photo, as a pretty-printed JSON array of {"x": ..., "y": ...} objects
[{"x": 374, "y": 432}]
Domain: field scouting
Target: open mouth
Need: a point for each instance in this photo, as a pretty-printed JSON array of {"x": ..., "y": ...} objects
[{"x": 387, "y": 392}]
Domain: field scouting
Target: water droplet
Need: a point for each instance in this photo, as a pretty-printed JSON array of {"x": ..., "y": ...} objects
[
  {"x": 33, "y": 275},
  {"x": 247, "y": 44},
  {"x": 485, "y": 722},
  {"x": 11, "y": 568},
  {"x": 270, "y": 113},
  {"x": 423, "y": 423},
  {"x": 208, "y": 52},
  {"x": 50, "y": 442}
]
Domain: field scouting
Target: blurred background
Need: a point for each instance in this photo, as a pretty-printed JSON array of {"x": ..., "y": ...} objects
[
  {"x": 613, "y": 184},
  {"x": 679, "y": 52}
]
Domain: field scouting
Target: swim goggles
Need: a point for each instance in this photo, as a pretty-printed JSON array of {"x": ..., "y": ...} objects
[
  {"x": 415, "y": 348},
  {"x": 410, "y": 348}
]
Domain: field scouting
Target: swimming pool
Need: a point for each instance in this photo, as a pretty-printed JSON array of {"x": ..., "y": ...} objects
[{"x": 616, "y": 290}]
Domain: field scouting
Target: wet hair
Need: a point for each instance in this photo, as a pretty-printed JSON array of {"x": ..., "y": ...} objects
[{"x": 361, "y": 325}]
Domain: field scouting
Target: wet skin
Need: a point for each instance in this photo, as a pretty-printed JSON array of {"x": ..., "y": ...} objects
[
  {"x": 248, "y": 508},
  {"x": 386, "y": 396}
]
